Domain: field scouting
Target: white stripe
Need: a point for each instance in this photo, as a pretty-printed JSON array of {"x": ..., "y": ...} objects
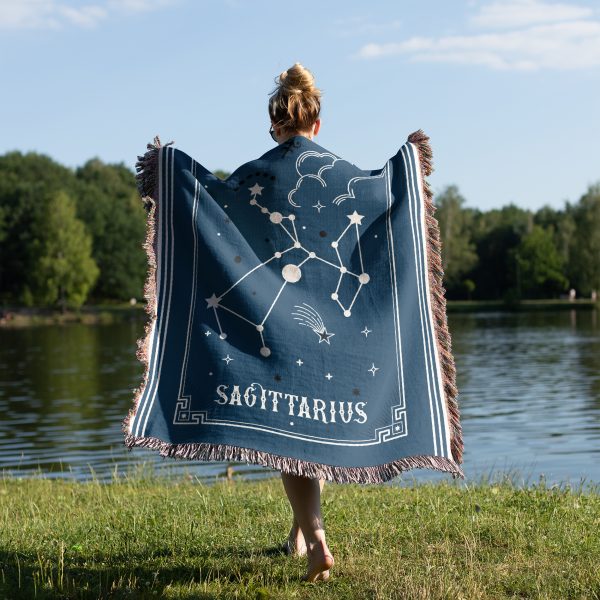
[
  {"x": 392, "y": 263},
  {"x": 419, "y": 292},
  {"x": 442, "y": 394},
  {"x": 135, "y": 420},
  {"x": 170, "y": 283},
  {"x": 151, "y": 383},
  {"x": 193, "y": 302}
]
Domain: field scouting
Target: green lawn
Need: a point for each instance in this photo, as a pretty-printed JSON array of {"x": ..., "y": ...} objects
[{"x": 155, "y": 537}]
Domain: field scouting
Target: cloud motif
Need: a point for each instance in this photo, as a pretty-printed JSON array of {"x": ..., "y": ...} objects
[
  {"x": 311, "y": 166},
  {"x": 306, "y": 164},
  {"x": 350, "y": 191}
]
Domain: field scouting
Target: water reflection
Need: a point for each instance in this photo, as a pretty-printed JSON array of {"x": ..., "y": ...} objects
[{"x": 529, "y": 398}]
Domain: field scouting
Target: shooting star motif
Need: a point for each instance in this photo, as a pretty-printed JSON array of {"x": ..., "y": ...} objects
[{"x": 309, "y": 317}]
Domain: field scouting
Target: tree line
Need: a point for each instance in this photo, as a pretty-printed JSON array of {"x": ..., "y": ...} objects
[
  {"x": 74, "y": 236},
  {"x": 512, "y": 253}
]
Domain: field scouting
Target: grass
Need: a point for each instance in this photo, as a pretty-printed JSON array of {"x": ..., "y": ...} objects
[{"x": 151, "y": 536}]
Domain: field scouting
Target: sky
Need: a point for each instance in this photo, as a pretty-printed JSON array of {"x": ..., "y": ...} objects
[{"x": 507, "y": 90}]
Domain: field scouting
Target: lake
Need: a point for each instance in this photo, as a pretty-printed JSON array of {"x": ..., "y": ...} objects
[{"x": 529, "y": 396}]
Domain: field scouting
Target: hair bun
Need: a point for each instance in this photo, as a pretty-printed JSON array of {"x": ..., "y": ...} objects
[
  {"x": 295, "y": 103},
  {"x": 297, "y": 80}
]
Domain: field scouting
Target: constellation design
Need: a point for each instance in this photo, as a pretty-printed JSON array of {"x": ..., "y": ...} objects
[
  {"x": 291, "y": 273},
  {"x": 309, "y": 317}
]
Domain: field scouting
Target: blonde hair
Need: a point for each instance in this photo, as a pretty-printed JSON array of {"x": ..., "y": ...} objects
[{"x": 295, "y": 103}]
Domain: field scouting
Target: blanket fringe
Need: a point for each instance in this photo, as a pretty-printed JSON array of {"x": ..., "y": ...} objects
[
  {"x": 147, "y": 170},
  {"x": 147, "y": 180},
  {"x": 224, "y": 452},
  {"x": 438, "y": 299}
]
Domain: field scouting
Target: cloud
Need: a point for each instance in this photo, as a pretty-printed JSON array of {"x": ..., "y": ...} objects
[
  {"x": 57, "y": 14},
  {"x": 36, "y": 14},
  {"x": 522, "y": 13},
  {"x": 549, "y": 36},
  {"x": 138, "y": 5}
]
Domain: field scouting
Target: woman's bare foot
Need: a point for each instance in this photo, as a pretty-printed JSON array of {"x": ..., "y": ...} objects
[
  {"x": 320, "y": 560},
  {"x": 295, "y": 544}
]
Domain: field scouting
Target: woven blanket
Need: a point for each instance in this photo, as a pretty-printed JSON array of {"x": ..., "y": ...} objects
[{"x": 296, "y": 315}]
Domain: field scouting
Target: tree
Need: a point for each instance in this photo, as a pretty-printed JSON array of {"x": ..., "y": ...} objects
[
  {"x": 540, "y": 266},
  {"x": 221, "y": 174},
  {"x": 65, "y": 270},
  {"x": 458, "y": 251},
  {"x": 113, "y": 212},
  {"x": 562, "y": 226},
  {"x": 496, "y": 232},
  {"x": 25, "y": 179},
  {"x": 585, "y": 244}
]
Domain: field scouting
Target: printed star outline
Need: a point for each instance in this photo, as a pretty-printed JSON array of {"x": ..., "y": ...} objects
[{"x": 324, "y": 336}]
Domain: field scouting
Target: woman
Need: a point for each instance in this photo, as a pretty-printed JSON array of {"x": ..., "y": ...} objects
[
  {"x": 191, "y": 204},
  {"x": 294, "y": 108}
]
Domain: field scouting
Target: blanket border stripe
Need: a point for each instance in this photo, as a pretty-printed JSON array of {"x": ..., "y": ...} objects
[
  {"x": 147, "y": 181},
  {"x": 437, "y": 295}
]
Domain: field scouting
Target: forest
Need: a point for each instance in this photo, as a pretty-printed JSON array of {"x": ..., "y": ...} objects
[{"x": 70, "y": 237}]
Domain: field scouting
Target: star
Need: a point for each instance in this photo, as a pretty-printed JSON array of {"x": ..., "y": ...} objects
[
  {"x": 256, "y": 189},
  {"x": 318, "y": 206},
  {"x": 366, "y": 331},
  {"x": 299, "y": 361},
  {"x": 356, "y": 218},
  {"x": 373, "y": 369},
  {"x": 227, "y": 358},
  {"x": 397, "y": 427},
  {"x": 324, "y": 336},
  {"x": 329, "y": 375},
  {"x": 207, "y": 333},
  {"x": 212, "y": 301}
]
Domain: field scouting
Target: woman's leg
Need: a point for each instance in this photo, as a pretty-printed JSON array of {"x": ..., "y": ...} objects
[
  {"x": 295, "y": 540},
  {"x": 304, "y": 495}
]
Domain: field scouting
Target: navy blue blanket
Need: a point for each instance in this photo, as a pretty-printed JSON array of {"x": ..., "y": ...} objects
[{"x": 297, "y": 317}]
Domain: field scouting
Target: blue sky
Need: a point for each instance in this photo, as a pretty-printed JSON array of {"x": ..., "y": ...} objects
[{"x": 507, "y": 90}]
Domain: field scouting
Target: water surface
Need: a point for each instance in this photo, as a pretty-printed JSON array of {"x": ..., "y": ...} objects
[{"x": 529, "y": 396}]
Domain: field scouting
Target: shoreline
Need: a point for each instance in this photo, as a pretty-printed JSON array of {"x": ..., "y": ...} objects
[{"x": 101, "y": 314}]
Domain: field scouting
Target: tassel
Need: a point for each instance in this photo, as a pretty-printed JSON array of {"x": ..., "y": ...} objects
[{"x": 147, "y": 171}]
